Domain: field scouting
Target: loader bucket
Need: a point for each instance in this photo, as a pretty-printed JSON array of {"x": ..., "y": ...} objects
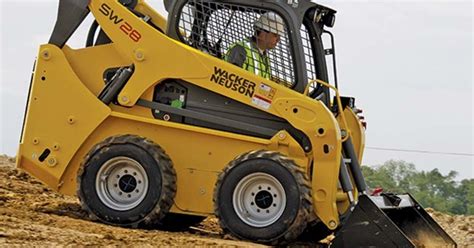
[{"x": 390, "y": 221}]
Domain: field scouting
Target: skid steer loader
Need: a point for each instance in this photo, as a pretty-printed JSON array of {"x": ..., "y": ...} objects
[{"x": 149, "y": 125}]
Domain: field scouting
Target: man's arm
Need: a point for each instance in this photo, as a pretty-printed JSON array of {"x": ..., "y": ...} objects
[{"x": 237, "y": 55}]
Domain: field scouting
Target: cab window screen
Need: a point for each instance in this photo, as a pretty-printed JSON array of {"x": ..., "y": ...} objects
[
  {"x": 308, "y": 56},
  {"x": 214, "y": 28}
]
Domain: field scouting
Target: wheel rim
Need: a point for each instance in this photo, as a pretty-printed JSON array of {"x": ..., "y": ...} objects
[
  {"x": 259, "y": 199},
  {"x": 121, "y": 183}
]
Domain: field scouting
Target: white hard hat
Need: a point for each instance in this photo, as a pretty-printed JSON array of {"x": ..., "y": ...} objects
[{"x": 270, "y": 22}]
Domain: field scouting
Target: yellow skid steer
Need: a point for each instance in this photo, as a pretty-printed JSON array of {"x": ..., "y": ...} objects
[{"x": 150, "y": 124}]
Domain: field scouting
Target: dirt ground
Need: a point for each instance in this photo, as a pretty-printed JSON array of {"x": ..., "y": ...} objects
[{"x": 33, "y": 215}]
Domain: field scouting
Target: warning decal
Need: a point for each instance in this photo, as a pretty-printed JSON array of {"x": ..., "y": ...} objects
[
  {"x": 264, "y": 96},
  {"x": 266, "y": 91},
  {"x": 261, "y": 101}
]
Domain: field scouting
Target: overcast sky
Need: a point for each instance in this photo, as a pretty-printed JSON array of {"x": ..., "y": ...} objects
[{"x": 409, "y": 64}]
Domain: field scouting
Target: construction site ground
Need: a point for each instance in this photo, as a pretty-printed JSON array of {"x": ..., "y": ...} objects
[{"x": 33, "y": 215}]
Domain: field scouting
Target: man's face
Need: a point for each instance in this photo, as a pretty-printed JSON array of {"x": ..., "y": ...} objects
[{"x": 268, "y": 40}]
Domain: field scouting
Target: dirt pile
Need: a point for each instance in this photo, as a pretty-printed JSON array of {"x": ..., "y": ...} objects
[
  {"x": 33, "y": 215},
  {"x": 459, "y": 227}
]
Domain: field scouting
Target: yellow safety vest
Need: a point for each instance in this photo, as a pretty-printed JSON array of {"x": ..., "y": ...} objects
[{"x": 254, "y": 62}]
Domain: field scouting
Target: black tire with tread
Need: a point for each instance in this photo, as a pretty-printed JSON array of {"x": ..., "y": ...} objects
[
  {"x": 288, "y": 229},
  {"x": 154, "y": 207}
]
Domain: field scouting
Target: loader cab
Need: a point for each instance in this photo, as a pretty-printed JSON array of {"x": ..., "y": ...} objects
[{"x": 215, "y": 26}]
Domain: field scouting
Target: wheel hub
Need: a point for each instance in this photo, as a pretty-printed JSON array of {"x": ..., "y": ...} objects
[
  {"x": 263, "y": 199},
  {"x": 259, "y": 199},
  {"x": 121, "y": 183},
  {"x": 127, "y": 183}
]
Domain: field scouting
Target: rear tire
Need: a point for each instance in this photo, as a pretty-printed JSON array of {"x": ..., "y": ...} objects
[
  {"x": 128, "y": 181},
  {"x": 264, "y": 197}
]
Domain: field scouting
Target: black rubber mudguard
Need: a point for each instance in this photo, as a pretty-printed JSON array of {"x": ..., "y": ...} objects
[{"x": 390, "y": 221}]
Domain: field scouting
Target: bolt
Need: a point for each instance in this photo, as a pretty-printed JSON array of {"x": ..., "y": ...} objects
[
  {"x": 139, "y": 55},
  {"x": 274, "y": 205},
  {"x": 269, "y": 188},
  {"x": 45, "y": 54},
  {"x": 251, "y": 203},
  {"x": 137, "y": 191},
  {"x": 281, "y": 135},
  {"x": 115, "y": 185},
  {"x": 332, "y": 224},
  {"x": 126, "y": 171},
  {"x": 343, "y": 133},
  {"x": 52, "y": 161}
]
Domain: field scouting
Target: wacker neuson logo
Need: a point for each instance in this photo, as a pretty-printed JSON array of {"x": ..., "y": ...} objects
[{"x": 233, "y": 82}]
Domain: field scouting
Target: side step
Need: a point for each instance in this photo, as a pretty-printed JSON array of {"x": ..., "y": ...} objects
[{"x": 390, "y": 221}]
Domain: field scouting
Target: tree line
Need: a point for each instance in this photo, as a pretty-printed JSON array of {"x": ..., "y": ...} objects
[{"x": 430, "y": 188}]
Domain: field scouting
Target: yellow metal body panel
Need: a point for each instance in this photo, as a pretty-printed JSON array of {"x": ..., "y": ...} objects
[
  {"x": 62, "y": 112},
  {"x": 357, "y": 132},
  {"x": 75, "y": 78}
]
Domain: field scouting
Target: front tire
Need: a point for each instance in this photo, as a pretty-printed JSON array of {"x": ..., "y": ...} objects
[
  {"x": 128, "y": 181},
  {"x": 264, "y": 197}
]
